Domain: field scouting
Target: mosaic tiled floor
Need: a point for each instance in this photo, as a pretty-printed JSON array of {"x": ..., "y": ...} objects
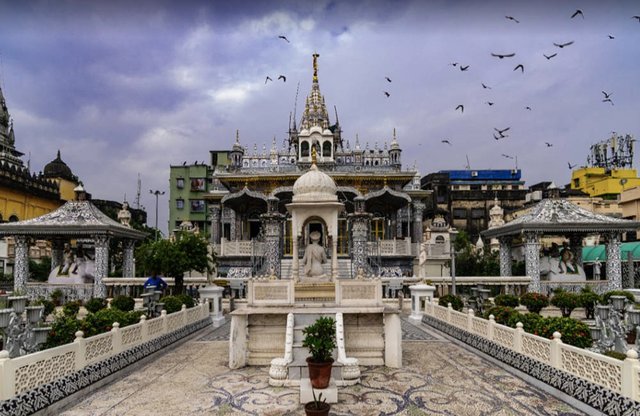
[{"x": 438, "y": 378}]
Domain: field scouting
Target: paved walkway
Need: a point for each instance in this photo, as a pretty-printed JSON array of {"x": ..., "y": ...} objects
[{"x": 438, "y": 378}]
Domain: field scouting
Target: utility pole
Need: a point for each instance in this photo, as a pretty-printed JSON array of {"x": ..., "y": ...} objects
[{"x": 157, "y": 193}]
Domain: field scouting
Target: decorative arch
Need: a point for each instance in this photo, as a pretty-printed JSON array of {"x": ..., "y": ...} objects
[
  {"x": 304, "y": 149},
  {"x": 326, "y": 149}
]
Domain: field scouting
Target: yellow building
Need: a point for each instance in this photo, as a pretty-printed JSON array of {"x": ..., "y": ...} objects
[{"x": 602, "y": 182}]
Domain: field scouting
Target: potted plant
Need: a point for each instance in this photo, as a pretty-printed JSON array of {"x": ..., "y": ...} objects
[
  {"x": 318, "y": 407},
  {"x": 320, "y": 339}
]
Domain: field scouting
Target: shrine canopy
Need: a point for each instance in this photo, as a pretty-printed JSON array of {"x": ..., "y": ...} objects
[
  {"x": 73, "y": 219},
  {"x": 559, "y": 216}
]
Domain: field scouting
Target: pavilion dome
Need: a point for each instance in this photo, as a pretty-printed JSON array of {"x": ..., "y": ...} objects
[
  {"x": 58, "y": 169},
  {"x": 314, "y": 186}
]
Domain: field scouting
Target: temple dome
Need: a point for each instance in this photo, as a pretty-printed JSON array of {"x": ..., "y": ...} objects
[
  {"x": 58, "y": 169},
  {"x": 314, "y": 186}
]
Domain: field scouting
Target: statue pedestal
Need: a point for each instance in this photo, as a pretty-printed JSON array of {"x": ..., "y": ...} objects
[{"x": 315, "y": 291}]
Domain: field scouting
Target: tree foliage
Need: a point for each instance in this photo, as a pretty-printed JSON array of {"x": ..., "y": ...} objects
[
  {"x": 470, "y": 262},
  {"x": 174, "y": 258}
]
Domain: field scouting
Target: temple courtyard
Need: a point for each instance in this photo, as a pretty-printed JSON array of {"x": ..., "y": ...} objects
[{"x": 438, "y": 377}]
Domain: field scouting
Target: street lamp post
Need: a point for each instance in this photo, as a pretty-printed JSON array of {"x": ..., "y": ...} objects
[{"x": 157, "y": 193}]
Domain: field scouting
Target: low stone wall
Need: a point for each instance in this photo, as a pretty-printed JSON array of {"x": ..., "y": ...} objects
[
  {"x": 32, "y": 382},
  {"x": 270, "y": 292},
  {"x": 359, "y": 292},
  {"x": 606, "y": 384}
]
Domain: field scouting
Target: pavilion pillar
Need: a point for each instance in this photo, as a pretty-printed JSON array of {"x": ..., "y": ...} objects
[
  {"x": 532, "y": 260},
  {"x": 614, "y": 263},
  {"x": 127, "y": 260},
  {"x": 272, "y": 226},
  {"x": 214, "y": 214},
  {"x": 418, "y": 209},
  {"x": 57, "y": 250},
  {"x": 359, "y": 225},
  {"x": 101, "y": 243},
  {"x": 21, "y": 266},
  {"x": 576, "y": 248},
  {"x": 334, "y": 258},
  {"x": 505, "y": 256},
  {"x": 295, "y": 263}
]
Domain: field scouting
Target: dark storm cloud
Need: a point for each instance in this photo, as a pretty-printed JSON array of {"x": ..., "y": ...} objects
[{"x": 142, "y": 85}]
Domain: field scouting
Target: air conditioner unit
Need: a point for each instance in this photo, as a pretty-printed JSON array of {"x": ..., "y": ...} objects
[{"x": 474, "y": 173}]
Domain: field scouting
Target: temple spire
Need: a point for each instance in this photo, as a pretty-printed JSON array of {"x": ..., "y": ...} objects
[
  {"x": 315, "y": 111},
  {"x": 315, "y": 67}
]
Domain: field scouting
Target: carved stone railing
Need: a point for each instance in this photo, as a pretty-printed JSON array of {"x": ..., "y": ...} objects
[
  {"x": 517, "y": 284},
  {"x": 437, "y": 250},
  {"x": 619, "y": 376},
  {"x": 27, "y": 372},
  {"x": 240, "y": 248},
  {"x": 598, "y": 286},
  {"x": 386, "y": 248},
  {"x": 132, "y": 286}
]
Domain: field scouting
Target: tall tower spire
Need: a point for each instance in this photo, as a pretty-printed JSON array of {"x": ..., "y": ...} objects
[{"x": 315, "y": 110}]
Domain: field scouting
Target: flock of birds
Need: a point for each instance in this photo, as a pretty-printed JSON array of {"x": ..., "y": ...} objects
[{"x": 499, "y": 134}]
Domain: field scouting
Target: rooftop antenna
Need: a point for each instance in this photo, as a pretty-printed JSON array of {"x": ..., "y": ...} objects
[
  {"x": 516, "y": 162},
  {"x": 138, "y": 192},
  {"x": 29, "y": 162},
  {"x": 468, "y": 166}
]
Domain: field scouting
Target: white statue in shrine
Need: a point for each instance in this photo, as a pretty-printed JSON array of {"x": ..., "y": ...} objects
[{"x": 314, "y": 257}]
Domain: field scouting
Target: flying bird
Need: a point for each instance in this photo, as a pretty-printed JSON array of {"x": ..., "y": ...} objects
[
  {"x": 562, "y": 45},
  {"x": 577, "y": 12},
  {"x": 607, "y": 100},
  {"x": 512, "y": 18},
  {"x": 636, "y": 17},
  {"x": 453, "y": 64},
  {"x": 486, "y": 87},
  {"x": 507, "y": 156},
  {"x": 571, "y": 166},
  {"x": 527, "y": 108},
  {"x": 611, "y": 37},
  {"x": 490, "y": 103},
  {"x": 548, "y": 144},
  {"x": 446, "y": 141},
  {"x": 268, "y": 78},
  {"x": 284, "y": 38},
  {"x": 550, "y": 56},
  {"x": 607, "y": 95},
  {"x": 519, "y": 66},
  {"x": 498, "y": 138},
  {"x": 387, "y": 94},
  {"x": 184, "y": 163},
  {"x": 388, "y": 79},
  {"x": 502, "y": 56},
  {"x": 464, "y": 68},
  {"x": 460, "y": 107},
  {"x": 501, "y": 132},
  {"x": 283, "y": 78}
]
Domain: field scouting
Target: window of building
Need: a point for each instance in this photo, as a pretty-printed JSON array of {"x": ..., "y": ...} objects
[
  {"x": 477, "y": 213},
  {"x": 475, "y": 187},
  {"x": 197, "y": 184},
  {"x": 14, "y": 218},
  {"x": 576, "y": 182},
  {"x": 459, "y": 213},
  {"x": 180, "y": 183},
  {"x": 180, "y": 203},
  {"x": 326, "y": 149},
  {"x": 304, "y": 149},
  {"x": 197, "y": 205}
]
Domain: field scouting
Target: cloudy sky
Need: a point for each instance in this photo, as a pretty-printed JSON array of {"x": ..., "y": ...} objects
[{"x": 123, "y": 88}]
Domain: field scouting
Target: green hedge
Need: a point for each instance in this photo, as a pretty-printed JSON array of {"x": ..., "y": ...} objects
[
  {"x": 455, "y": 301},
  {"x": 124, "y": 303},
  {"x": 511, "y": 301}
]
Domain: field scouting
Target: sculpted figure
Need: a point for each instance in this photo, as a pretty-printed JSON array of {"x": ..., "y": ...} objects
[{"x": 314, "y": 257}]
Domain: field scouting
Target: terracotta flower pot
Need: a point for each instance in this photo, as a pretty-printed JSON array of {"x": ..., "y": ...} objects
[
  {"x": 322, "y": 410},
  {"x": 319, "y": 373}
]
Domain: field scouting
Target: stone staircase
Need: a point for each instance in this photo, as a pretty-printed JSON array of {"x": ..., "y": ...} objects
[{"x": 344, "y": 268}]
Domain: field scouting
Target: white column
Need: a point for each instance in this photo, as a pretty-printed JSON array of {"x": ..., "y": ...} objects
[
  {"x": 102, "y": 265},
  {"x": 21, "y": 266},
  {"x": 295, "y": 264},
  {"x": 127, "y": 261},
  {"x": 532, "y": 261},
  {"x": 334, "y": 258},
  {"x": 614, "y": 263}
]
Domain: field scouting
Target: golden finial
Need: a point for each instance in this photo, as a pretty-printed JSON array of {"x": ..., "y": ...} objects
[
  {"x": 315, "y": 67},
  {"x": 314, "y": 155},
  {"x": 385, "y": 181}
]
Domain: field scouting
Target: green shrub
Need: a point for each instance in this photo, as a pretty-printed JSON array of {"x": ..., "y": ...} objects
[
  {"x": 628, "y": 295},
  {"x": 93, "y": 305},
  {"x": 502, "y": 314},
  {"x": 511, "y": 301},
  {"x": 63, "y": 330},
  {"x": 124, "y": 303},
  {"x": 102, "y": 321},
  {"x": 530, "y": 321},
  {"x": 71, "y": 308},
  {"x": 588, "y": 299},
  {"x": 566, "y": 301},
  {"x": 455, "y": 301},
  {"x": 56, "y": 297},
  {"x": 49, "y": 307},
  {"x": 534, "y": 302},
  {"x": 171, "y": 303},
  {"x": 573, "y": 332},
  {"x": 186, "y": 300},
  {"x": 320, "y": 339}
]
